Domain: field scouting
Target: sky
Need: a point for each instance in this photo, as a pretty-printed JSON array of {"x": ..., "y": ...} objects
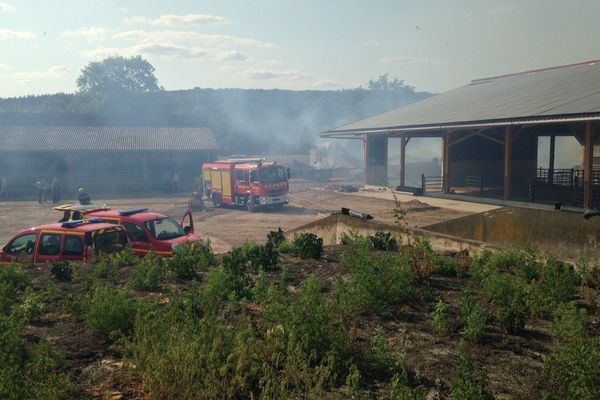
[{"x": 310, "y": 44}]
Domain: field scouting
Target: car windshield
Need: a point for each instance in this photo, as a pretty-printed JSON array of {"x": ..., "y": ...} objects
[
  {"x": 164, "y": 228},
  {"x": 268, "y": 175}
]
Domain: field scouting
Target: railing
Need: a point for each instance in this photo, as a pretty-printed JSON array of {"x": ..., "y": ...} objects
[
  {"x": 432, "y": 183},
  {"x": 563, "y": 177},
  {"x": 474, "y": 182}
]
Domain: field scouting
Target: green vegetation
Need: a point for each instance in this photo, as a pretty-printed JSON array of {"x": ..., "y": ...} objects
[
  {"x": 62, "y": 271},
  {"x": 307, "y": 246},
  {"x": 254, "y": 324}
]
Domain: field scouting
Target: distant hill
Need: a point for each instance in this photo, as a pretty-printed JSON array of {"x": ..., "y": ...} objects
[{"x": 245, "y": 120}]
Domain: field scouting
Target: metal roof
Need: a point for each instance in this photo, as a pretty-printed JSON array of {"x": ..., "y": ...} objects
[
  {"x": 567, "y": 92},
  {"x": 77, "y": 138}
]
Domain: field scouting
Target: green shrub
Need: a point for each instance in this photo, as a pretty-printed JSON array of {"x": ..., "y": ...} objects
[
  {"x": 467, "y": 385},
  {"x": 148, "y": 274},
  {"x": 446, "y": 266},
  {"x": 30, "y": 371},
  {"x": 62, "y": 271},
  {"x": 384, "y": 241},
  {"x": 422, "y": 258},
  {"x": 473, "y": 318},
  {"x": 223, "y": 283},
  {"x": 307, "y": 246},
  {"x": 30, "y": 306},
  {"x": 440, "y": 317},
  {"x": 12, "y": 285},
  {"x": 276, "y": 237},
  {"x": 123, "y": 259},
  {"x": 189, "y": 258},
  {"x": 507, "y": 294},
  {"x": 377, "y": 280},
  {"x": 379, "y": 355},
  {"x": 285, "y": 247},
  {"x": 574, "y": 366},
  {"x": 251, "y": 257},
  {"x": 109, "y": 312},
  {"x": 400, "y": 388}
]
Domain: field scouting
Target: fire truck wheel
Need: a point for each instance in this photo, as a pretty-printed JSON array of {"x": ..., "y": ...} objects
[
  {"x": 217, "y": 201},
  {"x": 250, "y": 204}
]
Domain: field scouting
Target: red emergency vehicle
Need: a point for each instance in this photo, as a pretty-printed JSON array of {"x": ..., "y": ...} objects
[
  {"x": 147, "y": 231},
  {"x": 251, "y": 183},
  {"x": 67, "y": 241}
]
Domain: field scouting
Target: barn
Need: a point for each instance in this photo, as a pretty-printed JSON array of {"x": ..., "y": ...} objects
[
  {"x": 490, "y": 132},
  {"x": 105, "y": 160}
]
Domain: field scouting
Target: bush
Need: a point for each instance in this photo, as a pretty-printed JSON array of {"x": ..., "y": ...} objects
[
  {"x": 377, "y": 280},
  {"x": 62, "y": 271},
  {"x": 422, "y": 258},
  {"x": 276, "y": 237},
  {"x": 189, "y": 258},
  {"x": 30, "y": 371},
  {"x": 379, "y": 355},
  {"x": 446, "y": 266},
  {"x": 251, "y": 257},
  {"x": 439, "y": 317},
  {"x": 507, "y": 294},
  {"x": 307, "y": 246},
  {"x": 123, "y": 259},
  {"x": 473, "y": 318},
  {"x": 574, "y": 367},
  {"x": 148, "y": 274},
  {"x": 384, "y": 241},
  {"x": 109, "y": 312},
  {"x": 13, "y": 284},
  {"x": 467, "y": 385}
]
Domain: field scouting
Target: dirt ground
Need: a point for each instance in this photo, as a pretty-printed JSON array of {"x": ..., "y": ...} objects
[{"x": 229, "y": 227}]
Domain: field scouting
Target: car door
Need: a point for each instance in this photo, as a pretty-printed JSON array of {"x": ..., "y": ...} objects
[
  {"x": 189, "y": 228},
  {"x": 49, "y": 247},
  {"x": 138, "y": 238},
  {"x": 73, "y": 247},
  {"x": 20, "y": 248}
]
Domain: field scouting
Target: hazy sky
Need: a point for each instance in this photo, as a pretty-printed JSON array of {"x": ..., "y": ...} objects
[{"x": 308, "y": 44}]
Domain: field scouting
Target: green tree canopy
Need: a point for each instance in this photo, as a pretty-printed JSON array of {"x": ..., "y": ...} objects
[
  {"x": 116, "y": 74},
  {"x": 384, "y": 83}
]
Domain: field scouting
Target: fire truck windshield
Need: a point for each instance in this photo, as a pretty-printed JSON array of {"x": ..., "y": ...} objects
[
  {"x": 270, "y": 175},
  {"x": 164, "y": 228}
]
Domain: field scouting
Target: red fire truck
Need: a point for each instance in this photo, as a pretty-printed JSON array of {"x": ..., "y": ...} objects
[{"x": 251, "y": 183}]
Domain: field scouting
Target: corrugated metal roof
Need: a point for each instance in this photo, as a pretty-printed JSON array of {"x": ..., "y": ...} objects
[
  {"x": 75, "y": 138},
  {"x": 542, "y": 94}
]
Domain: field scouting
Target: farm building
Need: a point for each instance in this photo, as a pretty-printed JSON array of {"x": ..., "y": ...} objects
[
  {"x": 490, "y": 132},
  {"x": 103, "y": 159}
]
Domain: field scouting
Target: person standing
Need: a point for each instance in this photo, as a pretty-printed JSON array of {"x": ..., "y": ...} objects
[
  {"x": 3, "y": 187},
  {"x": 42, "y": 188},
  {"x": 84, "y": 197},
  {"x": 55, "y": 189}
]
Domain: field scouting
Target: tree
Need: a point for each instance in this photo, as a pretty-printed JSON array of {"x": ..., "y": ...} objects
[
  {"x": 116, "y": 75},
  {"x": 384, "y": 83}
]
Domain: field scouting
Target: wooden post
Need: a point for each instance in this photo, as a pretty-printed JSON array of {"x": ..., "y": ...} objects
[
  {"x": 446, "y": 161},
  {"x": 551, "y": 161},
  {"x": 588, "y": 165},
  {"x": 507, "y": 161},
  {"x": 366, "y": 148},
  {"x": 403, "y": 144}
]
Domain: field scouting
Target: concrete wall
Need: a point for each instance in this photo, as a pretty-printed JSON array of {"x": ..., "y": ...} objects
[
  {"x": 332, "y": 228},
  {"x": 564, "y": 235}
]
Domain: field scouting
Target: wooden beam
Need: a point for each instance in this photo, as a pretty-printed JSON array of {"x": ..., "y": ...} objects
[
  {"x": 507, "y": 162},
  {"x": 403, "y": 142},
  {"x": 588, "y": 165},
  {"x": 552, "y": 155},
  {"x": 366, "y": 161},
  {"x": 446, "y": 163}
]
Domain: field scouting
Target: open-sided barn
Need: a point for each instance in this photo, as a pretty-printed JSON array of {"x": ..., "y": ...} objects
[{"x": 490, "y": 130}]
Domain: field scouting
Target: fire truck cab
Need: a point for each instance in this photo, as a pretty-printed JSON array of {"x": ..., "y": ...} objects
[{"x": 251, "y": 183}]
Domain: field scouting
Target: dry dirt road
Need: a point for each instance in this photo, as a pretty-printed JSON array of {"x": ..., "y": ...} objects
[{"x": 229, "y": 227}]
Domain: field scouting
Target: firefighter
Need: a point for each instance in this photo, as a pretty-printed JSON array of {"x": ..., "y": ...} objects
[
  {"x": 55, "y": 189},
  {"x": 84, "y": 198},
  {"x": 42, "y": 188}
]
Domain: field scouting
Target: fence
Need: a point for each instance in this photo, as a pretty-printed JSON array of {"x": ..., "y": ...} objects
[{"x": 432, "y": 183}]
